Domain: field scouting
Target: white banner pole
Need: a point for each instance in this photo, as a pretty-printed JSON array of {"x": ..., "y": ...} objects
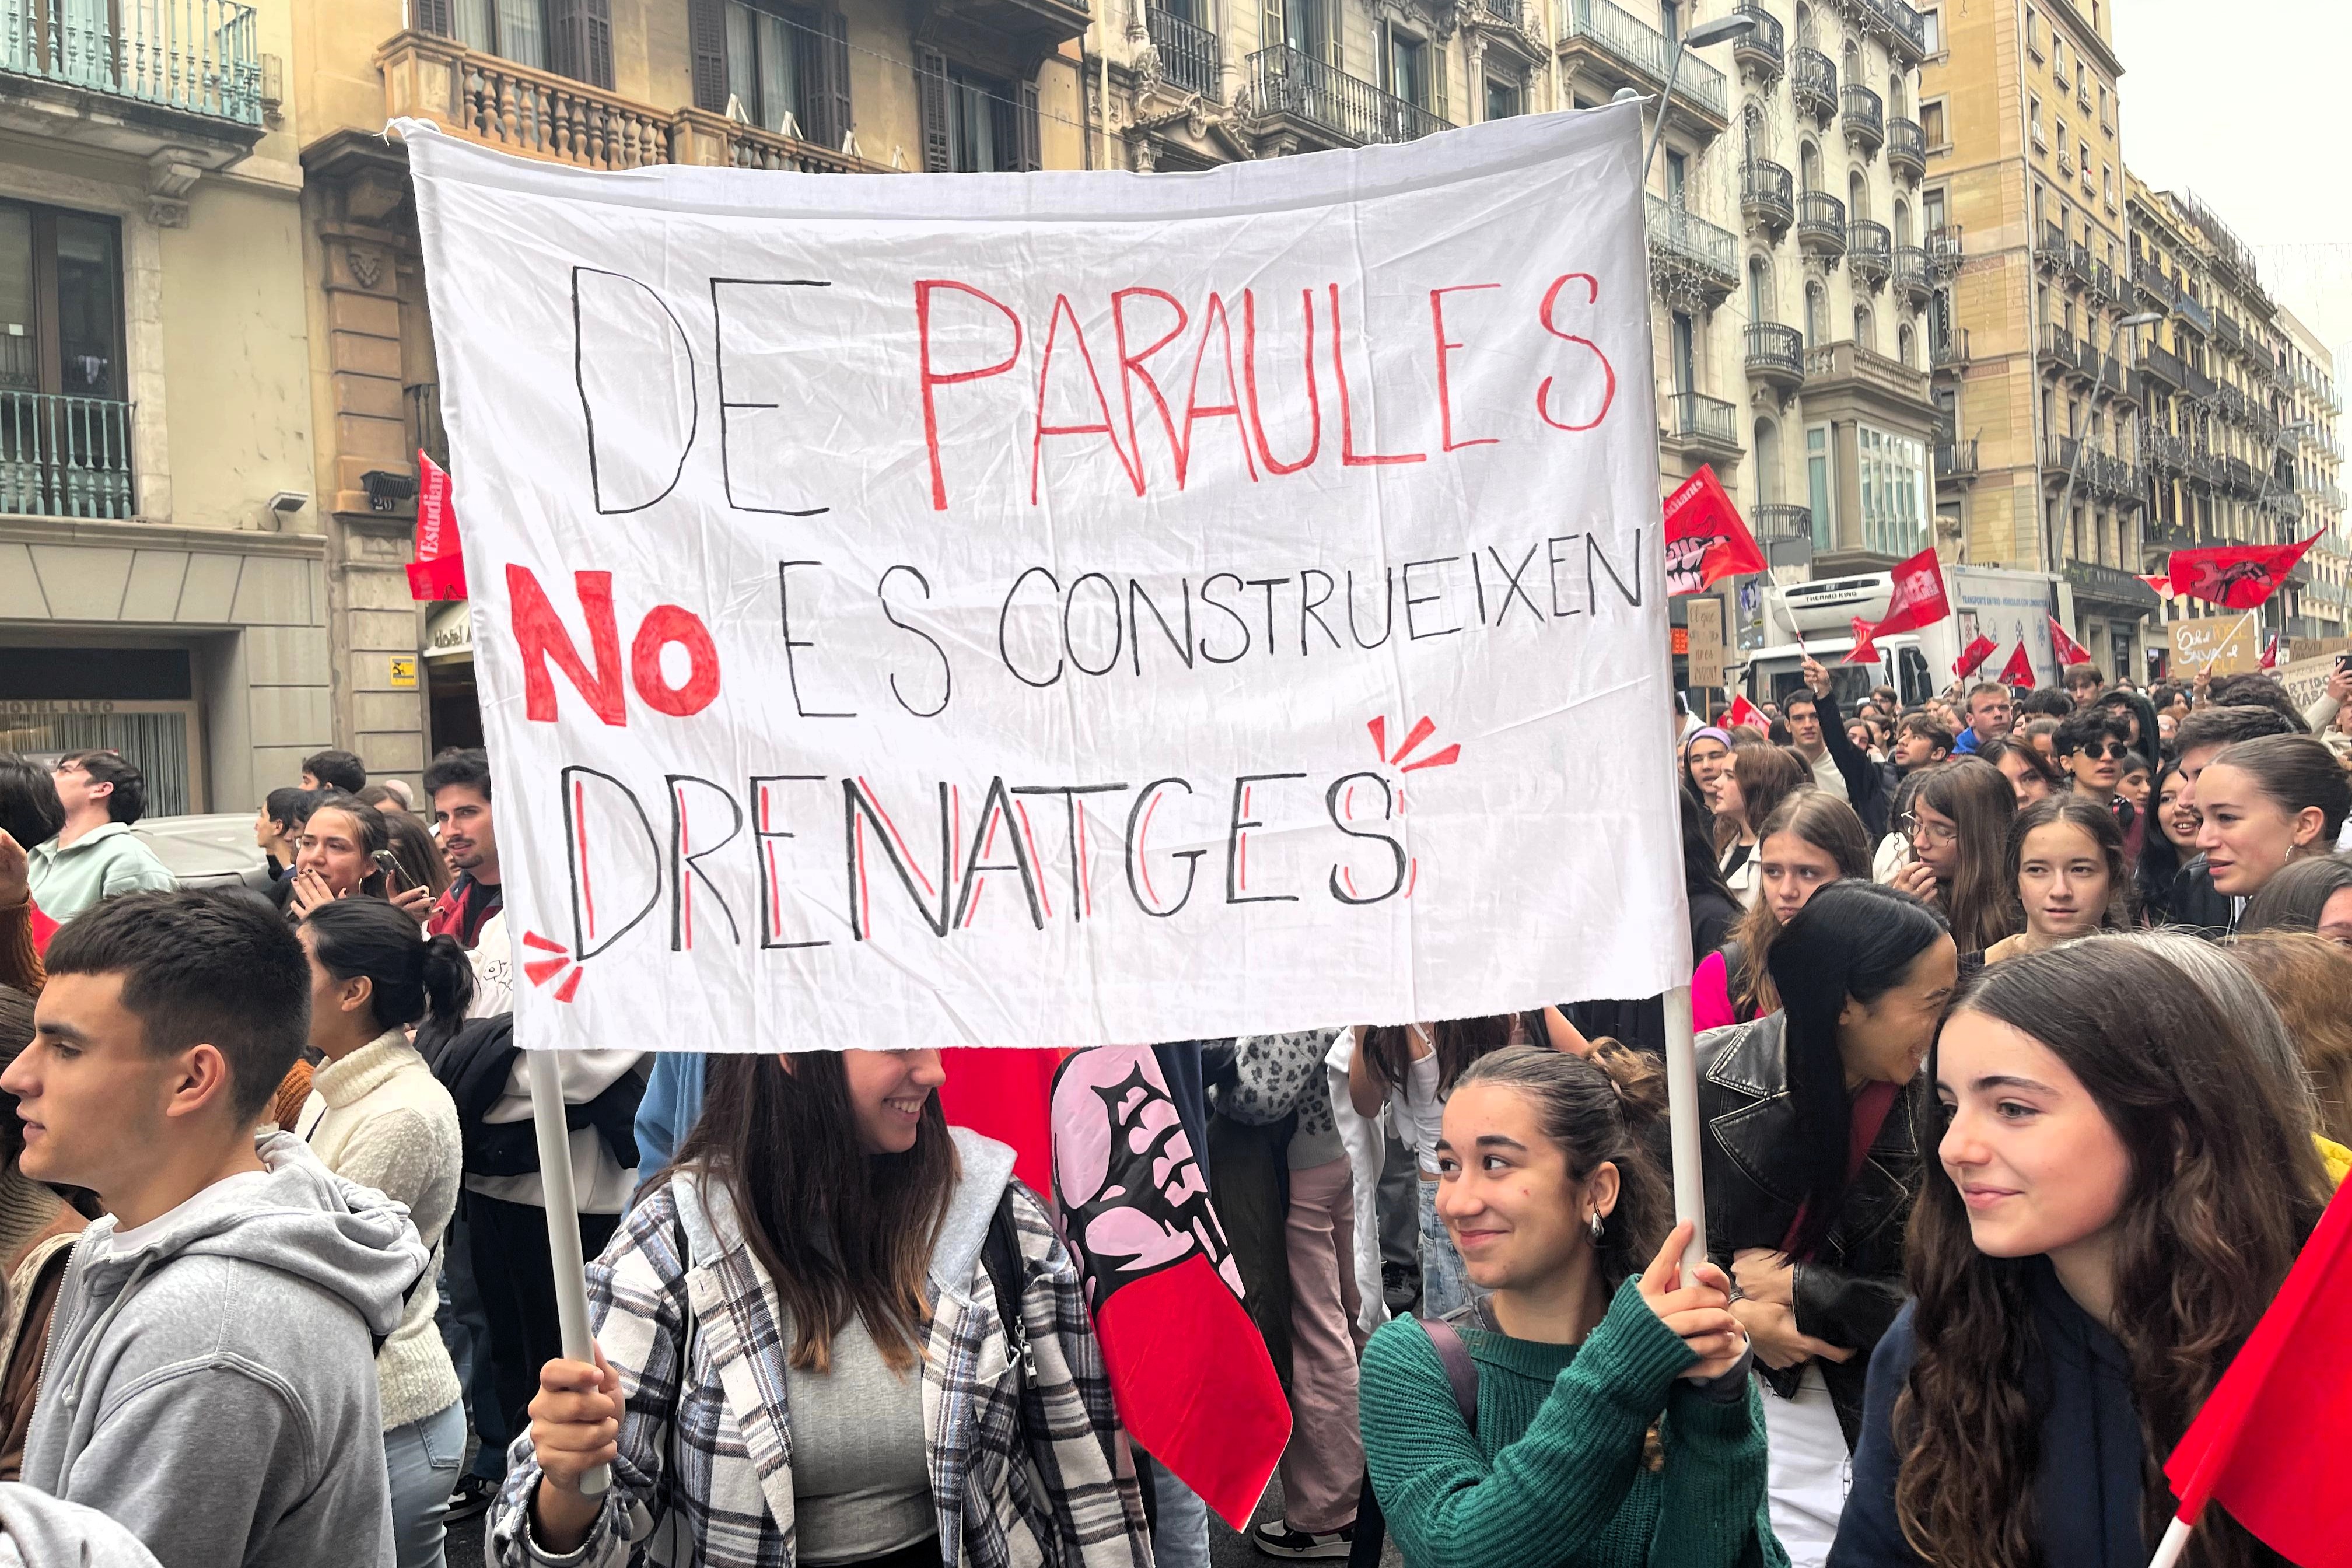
[
  {"x": 1682, "y": 1121},
  {"x": 563, "y": 1224},
  {"x": 2175, "y": 1543}
]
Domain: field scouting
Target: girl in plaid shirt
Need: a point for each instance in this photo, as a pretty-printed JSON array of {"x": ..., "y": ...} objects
[{"x": 802, "y": 1358}]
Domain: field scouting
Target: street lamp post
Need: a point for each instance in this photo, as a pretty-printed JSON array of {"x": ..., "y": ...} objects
[{"x": 1704, "y": 36}]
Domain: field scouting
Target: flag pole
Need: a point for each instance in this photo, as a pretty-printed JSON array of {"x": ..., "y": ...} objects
[
  {"x": 1682, "y": 1122},
  {"x": 2175, "y": 1543},
  {"x": 563, "y": 1254}
]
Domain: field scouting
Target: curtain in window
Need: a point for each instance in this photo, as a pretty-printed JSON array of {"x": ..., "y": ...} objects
[
  {"x": 155, "y": 743},
  {"x": 522, "y": 32}
]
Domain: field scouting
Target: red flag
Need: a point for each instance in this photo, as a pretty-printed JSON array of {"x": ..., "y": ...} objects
[
  {"x": 1705, "y": 538},
  {"x": 2268, "y": 1445},
  {"x": 1006, "y": 1092},
  {"x": 1919, "y": 599},
  {"x": 1981, "y": 649},
  {"x": 2269, "y": 653},
  {"x": 2239, "y": 576},
  {"x": 439, "y": 570},
  {"x": 2160, "y": 583},
  {"x": 2068, "y": 650},
  {"x": 1865, "y": 650},
  {"x": 1194, "y": 1385},
  {"x": 1744, "y": 712},
  {"x": 2019, "y": 670}
]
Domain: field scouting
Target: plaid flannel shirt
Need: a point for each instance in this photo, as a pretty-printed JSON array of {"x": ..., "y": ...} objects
[{"x": 1026, "y": 1469}]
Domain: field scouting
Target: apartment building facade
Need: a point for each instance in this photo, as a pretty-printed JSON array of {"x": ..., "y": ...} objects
[
  {"x": 2222, "y": 446},
  {"x": 2033, "y": 367},
  {"x": 2312, "y": 411}
]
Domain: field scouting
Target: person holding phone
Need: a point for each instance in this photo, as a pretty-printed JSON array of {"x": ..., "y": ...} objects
[{"x": 345, "y": 852}]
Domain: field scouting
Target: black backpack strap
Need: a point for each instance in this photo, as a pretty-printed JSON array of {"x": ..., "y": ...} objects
[
  {"x": 1462, "y": 1378},
  {"x": 1000, "y": 1256}
]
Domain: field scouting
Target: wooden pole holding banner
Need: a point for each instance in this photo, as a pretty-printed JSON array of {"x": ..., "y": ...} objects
[
  {"x": 563, "y": 1255},
  {"x": 1682, "y": 1124}
]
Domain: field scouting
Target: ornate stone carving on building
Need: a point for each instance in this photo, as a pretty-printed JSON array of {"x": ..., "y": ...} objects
[{"x": 172, "y": 174}]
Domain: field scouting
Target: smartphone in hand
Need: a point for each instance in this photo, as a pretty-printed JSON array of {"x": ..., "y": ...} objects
[{"x": 388, "y": 864}]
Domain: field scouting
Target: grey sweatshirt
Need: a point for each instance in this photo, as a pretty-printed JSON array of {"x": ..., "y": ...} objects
[
  {"x": 212, "y": 1384},
  {"x": 36, "y": 1530}
]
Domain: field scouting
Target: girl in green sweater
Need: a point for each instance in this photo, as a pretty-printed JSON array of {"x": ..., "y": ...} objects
[{"x": 1616, "y": 1422}]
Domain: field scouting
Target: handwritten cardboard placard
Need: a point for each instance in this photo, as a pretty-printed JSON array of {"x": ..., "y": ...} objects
[
  {"x": 2305, "y": 679},
  {"x": 1705, "y": 615},
  {"x": 2224, "y": 644},
  {"x": 1065, "y": 609}
]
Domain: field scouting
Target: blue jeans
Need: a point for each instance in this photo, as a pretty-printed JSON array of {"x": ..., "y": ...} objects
[
  {"x": 466, "y": 1330},
  {"x": 422, "y": 1461},
  {"x": 1444, "y": 1283},
  {"x": 1180, "y": 1540}
]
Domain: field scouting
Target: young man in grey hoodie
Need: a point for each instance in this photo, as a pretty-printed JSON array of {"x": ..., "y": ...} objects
[{"x": 210, "y": 1378}]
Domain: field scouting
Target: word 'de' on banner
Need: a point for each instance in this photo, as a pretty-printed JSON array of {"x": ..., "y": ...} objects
[{"x": 1064, "y": 609}]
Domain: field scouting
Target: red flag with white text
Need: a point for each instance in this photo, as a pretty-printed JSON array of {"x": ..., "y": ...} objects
[
  {"x": 1705, "y": 538},
  {"x": 1918, "y": 598},
  {"x": 1865, "y": 650},
  {"x": 1744, "y": 712},
  {"x": 1981, "y": 649},
  {"x": 439, "y": 570},
  {"x": 2239, "y": 576},
  {"x": 2068, "y": 650}
]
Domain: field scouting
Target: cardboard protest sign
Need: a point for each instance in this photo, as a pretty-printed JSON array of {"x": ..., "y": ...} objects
[
  {"x": 1065, "y": 609},
  {"x": 2225, "y": 645},
  {"x": 2305, "y": 679},
  {"x": 1707, "y": 654}
]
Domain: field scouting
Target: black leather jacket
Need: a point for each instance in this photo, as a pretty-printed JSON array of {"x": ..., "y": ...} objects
[{"x": 1849, "y": 1292}]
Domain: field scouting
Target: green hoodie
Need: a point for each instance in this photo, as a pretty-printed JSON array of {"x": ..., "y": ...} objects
[{"x": 1553, "y": 1478}]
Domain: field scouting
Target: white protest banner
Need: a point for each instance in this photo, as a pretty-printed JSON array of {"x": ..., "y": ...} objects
[{"x": 1064, "y": 609}]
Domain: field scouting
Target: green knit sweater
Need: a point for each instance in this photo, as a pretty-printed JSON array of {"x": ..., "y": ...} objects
[{"x": 1553, "y": 1478}]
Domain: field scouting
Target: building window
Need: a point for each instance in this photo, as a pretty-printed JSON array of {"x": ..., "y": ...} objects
[
  {"x": 2032, "y": 33},
  {"x": 2107, "y": 111},
  {"x": 1931, "y": 209},
  {"x": 765, "y": 62},
  {"x": 1414, "y": 69},
  {"x": 61, "y": 338},
  {"x": 2033, "y": 117},
  {"x": 1933, "y": 20},
  {"x": 1931, "y": 124},
  {"x": 511, "y": 29},
  {"x": 1895, "y": 492},
  {"x": 974, "y": 124},
  {"x": 570, "y": 37},
  {"x": 1684, "y": 348},
  {"x": 1503, "y": 99},
  {"x": 1818, "y": 485}
]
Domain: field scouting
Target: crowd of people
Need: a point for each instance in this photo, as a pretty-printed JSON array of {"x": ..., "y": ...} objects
[{"x": 2025, "y": 1070}]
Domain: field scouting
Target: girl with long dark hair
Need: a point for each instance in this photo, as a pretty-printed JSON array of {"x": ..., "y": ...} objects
[
  {"x": 1809, "y": 1155},
  {"x": 786, "y": 1320},
  {"x": 1714, "y": 907},
  {"x": 1813, "y": 839},
  {"x": 377, "y": 1115},
  {"x": 2314, "y": 894},
  {"x": 2066, "y": 865},
  {"x": 2125, "y": 1172},
  {"x": 2170, "y": 841},
  {"x": 1959, "y": 836},
  {"x": 1414, "y": 1070},
  {"x": 2265, "y": 802},
  {"x": 1746, "y": 794},
  {"x": 1614, "y": 1423},
  {"x": 2032, "y": 776}
]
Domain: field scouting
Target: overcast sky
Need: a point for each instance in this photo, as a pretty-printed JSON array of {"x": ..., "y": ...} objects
[{"x": 2247, "y": 104}]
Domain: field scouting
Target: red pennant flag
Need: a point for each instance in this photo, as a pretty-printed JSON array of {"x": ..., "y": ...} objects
[
  {"x": 1194, "y": 1385},
  {"x": 2068, "y": 650},
  {"x": 2160, "y": 583},
  {"x": 1865, "y": 650},
  {"x": 2239, "y": 576},
  {"x": 1981, "y": 649},
  {"x": 2268, "y": 1445},
  {"x": 1744, "y": 712},
  {"x": 1919, "y": 599},
  {"x": 1705, "y": 538},
  {"x": 439, "y": 570},
  {"x": 2019, "y": 670},
  {"x": 2269, "y": 653}
]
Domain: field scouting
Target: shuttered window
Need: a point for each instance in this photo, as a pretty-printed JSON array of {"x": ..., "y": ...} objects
[{"x": 975, "y": 124}]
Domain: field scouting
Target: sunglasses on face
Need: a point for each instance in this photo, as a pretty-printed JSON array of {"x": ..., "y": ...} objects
[{"x": 2118, "y": 750}]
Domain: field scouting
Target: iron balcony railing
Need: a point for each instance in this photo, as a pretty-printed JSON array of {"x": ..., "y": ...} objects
[
  {"x": 1820, "y": 221},
  {"x": 1904, "y": 23},
  {"x": 1189, "y": 57},
  {"x": 1676, "y": 231},
  {"x": 2161, "y": 364},
  {"x": 1911, "y": 273},
  {"x": 1906, "y": 145},
  {"x": 1761, "y": 45},
  {"x": 202, "y": 57},
  {"x": 65, "y": 457},
  {"x": 1956, "y": 459},
  {"x": 1783, "y": 520},
  {"x": 1865, "y": 115},
  {"x": 1696, "y": 416},
  {"x": 1508, "y": 12},
  {"x": 1944, "y": 248},
  {"x": 1869, "y": 251},
  {"x": 1775, "y": 351},
  {"x": 1949, "y": 347},
  {"x": 1812, "y": 82},
  {"x": 1643, "y": 49},
  {"x": 1284, "y": 80},
  {"x": 1767, "y": 194}
]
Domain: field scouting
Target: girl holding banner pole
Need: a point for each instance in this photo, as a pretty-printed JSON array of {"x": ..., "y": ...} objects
[
  {"x": 1809, "y": 1157},
  {"x": 827, "y": 1301},
  {"x": 2124, "y": 1173}
]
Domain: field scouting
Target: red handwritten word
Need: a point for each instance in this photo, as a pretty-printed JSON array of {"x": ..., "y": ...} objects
[
  {"x": 542, "y": 638},
  {"x": 1217, "y": 382}
]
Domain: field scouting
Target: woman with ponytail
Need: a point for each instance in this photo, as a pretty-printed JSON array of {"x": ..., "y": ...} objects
[
  {"x": 2123, "y": 1174},
  {"x": 377, "y": 1115},
  {"x": 1614, "y": 1423}
]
